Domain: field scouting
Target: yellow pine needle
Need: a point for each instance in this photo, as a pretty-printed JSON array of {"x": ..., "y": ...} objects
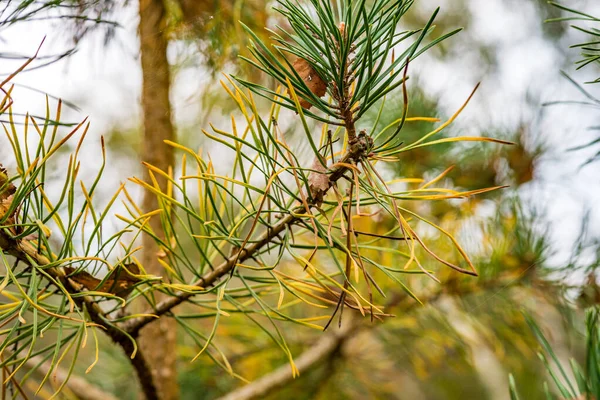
[
  {"x": 300, "y": 298},
  {"x": 23, "y": 66},
  {"x": 10, "y": 306},
  {"x": 184, "y": 149},
  {"x": 130, "y": 199},
  {"x": 438, "y": 178},
  {"x": 31, "y": 167},
  {"x": 462, "y": 252},
  {"x": 306, "y": 292},
  {"x": 458, "y": 139},
  {"x": 157, "y": 192},
  {"x": 4, "y": 282},
  {"x": 454, "y": 194},
  {"x": 282, "y": 295},
  {"x": 354, "y": 295},
  {"x": 167, "y": 267},
  {"x": 145, "y": 217},
  {"x": 62, "y": 142},
  {"x": 301, "y": 282},
  {"x": 184, "y": 288},
  {"x": 50, "y": 207},
  {"x": 250, "y": 267},
  {"x": 449, "y": 121},
  {"x": 96, "y": 352},
  {"x": 408, "y": 119},
  {"x": 82, "y": 138},
  {"x": 132, "y": 316},
  {"x": 7, "y": 100},
  {"x": 167, "y": 175},
  {"x": 213, "y": 177},
  {"x": 11, "y": 296}
]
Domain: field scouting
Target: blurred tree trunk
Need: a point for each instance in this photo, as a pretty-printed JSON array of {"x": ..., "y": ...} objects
[{"x": 157, "y": 340}]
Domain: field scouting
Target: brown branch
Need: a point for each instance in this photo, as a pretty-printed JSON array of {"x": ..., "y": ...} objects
[
  {"x": 83, "y": 389},
  {"x": 322, "y": 350},
  {"x": 134, "y": 325}
]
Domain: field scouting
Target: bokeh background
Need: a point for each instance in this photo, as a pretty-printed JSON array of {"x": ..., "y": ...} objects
[{"x": 536, "y": 243}]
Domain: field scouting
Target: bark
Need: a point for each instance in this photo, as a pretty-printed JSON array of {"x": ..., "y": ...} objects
[{"x": 157, "y": 340}]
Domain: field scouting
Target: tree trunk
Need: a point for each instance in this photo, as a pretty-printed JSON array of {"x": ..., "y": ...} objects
[{"x": 157, "y": 340}]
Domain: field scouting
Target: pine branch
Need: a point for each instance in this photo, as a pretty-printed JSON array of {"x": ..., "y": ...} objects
[
  {"x": 25, "y": 251},
  {"x": 351, "y": 92},
  {"x": 134, "y": 325}
]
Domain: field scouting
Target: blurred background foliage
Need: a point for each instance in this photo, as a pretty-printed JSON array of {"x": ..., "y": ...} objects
[{"x": 469, "y": 333}]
